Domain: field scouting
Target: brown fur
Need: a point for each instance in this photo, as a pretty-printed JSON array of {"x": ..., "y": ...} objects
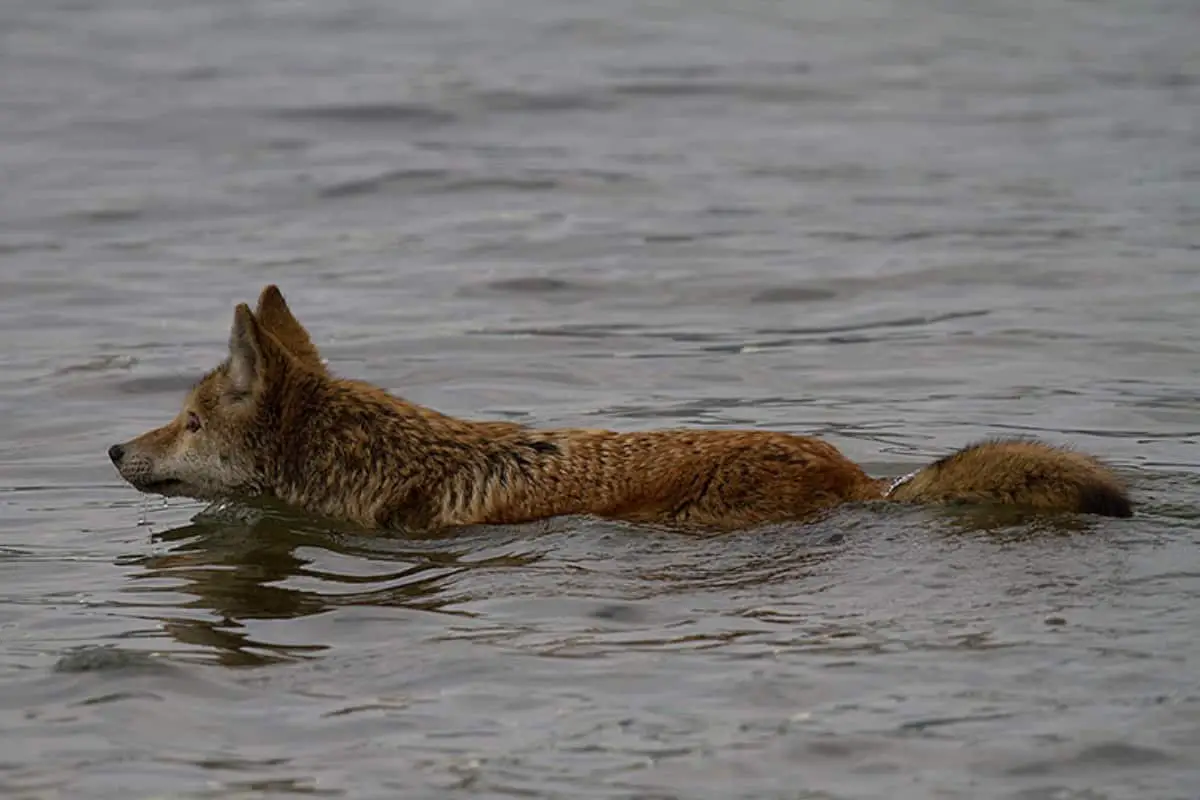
[{"x": 274, "y": 421}]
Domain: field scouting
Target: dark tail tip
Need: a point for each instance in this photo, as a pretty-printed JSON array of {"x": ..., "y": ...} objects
[{"x": 1104, "y": 499}]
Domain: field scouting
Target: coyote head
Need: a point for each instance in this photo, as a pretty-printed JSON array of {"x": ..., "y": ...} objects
[{"x": 219, "y": 444}]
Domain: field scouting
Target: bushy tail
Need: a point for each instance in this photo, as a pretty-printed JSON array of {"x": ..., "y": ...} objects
[{"x": 1018, "y": 472}]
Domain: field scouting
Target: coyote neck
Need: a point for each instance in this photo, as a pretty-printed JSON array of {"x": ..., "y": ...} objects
[{"x": 352, "y": 451}]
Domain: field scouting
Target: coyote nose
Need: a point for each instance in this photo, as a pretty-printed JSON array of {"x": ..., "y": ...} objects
[{"x": 116, "y": 453}]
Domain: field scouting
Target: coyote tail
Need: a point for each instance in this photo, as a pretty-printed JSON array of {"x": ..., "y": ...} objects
[{"x": 1017, "y": 472}]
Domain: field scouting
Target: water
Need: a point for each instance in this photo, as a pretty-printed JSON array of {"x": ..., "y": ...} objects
[{"x": 899, "y": 226}]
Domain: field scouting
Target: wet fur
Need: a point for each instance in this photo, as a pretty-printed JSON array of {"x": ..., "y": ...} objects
[{"x": 274, "y": 421}]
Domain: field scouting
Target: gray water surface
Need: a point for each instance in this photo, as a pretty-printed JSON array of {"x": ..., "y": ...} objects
[{"x": 899, "y": 226}]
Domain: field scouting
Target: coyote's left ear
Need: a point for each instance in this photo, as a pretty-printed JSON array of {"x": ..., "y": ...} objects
[
  {"x": 249, "y": 349},
  {"x": 277, "y": 319}
]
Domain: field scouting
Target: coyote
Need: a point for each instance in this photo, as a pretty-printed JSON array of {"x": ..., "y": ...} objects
[{"x": 272, "y": 420}]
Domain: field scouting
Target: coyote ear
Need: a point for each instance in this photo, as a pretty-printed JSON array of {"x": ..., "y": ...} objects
[
  {"x": 276, "y": 318},
  {"x": 246, "y": 363}
]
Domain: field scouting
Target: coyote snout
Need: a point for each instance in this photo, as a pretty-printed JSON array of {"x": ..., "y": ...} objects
[
  {"x": 177, "y": 460},
  {"x": 142, "y": 460},
  {"x": 271, "y": 420}
]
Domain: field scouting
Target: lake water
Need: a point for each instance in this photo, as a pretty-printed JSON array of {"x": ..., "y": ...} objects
[{"x": 899, "y": 226}]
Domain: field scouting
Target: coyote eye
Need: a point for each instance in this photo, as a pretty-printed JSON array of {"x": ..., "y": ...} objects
[{"x": 193, "y": 422}]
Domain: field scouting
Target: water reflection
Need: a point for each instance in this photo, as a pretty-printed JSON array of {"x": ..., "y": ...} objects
[
  {"x": 1008, "y": 524},
  {"x": 242, "y": 565},
  {"x": 233, "y": 566}
]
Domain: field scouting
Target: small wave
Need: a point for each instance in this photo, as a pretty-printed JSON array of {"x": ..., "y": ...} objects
[{"x": 369, "y": 114}]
